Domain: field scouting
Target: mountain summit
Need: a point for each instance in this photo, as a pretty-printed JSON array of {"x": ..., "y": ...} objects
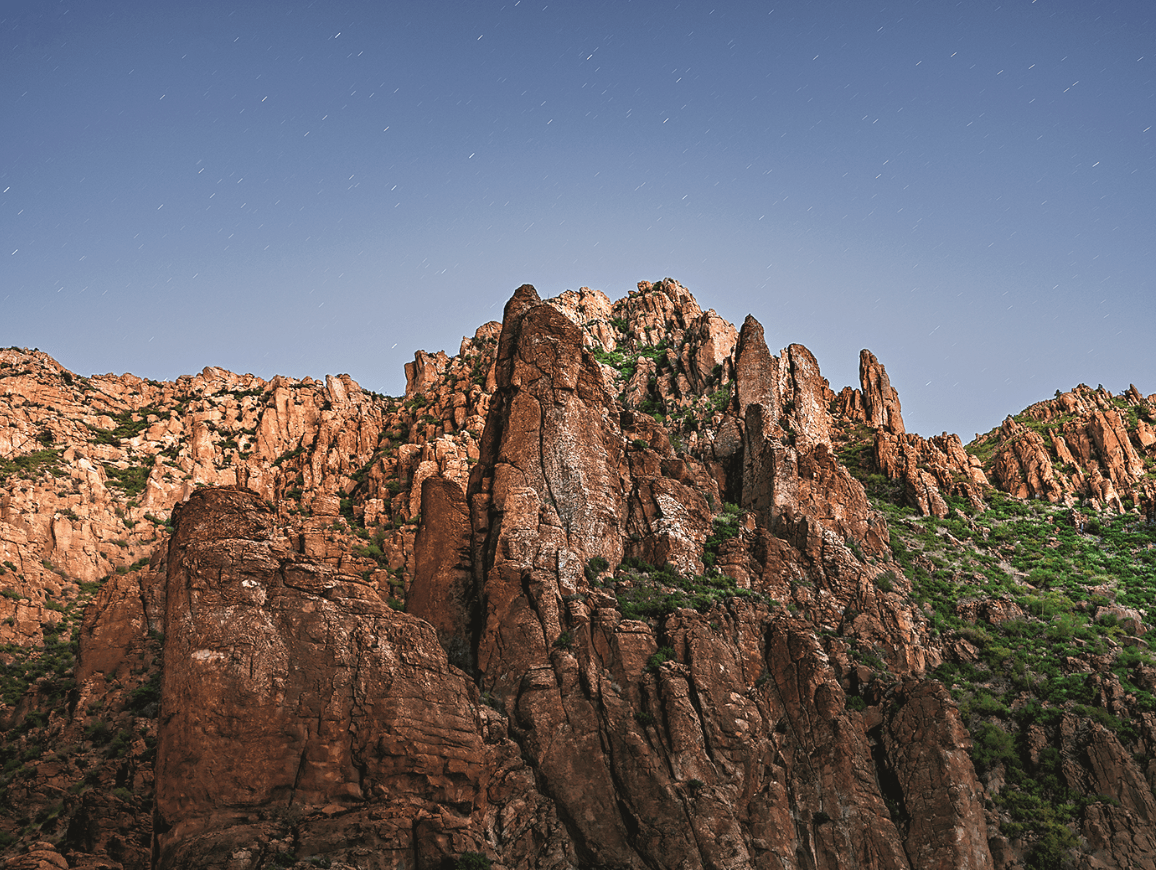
[{"x": 614, "y": 586}]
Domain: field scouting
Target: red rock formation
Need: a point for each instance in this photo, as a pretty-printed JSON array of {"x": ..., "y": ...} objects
[
  {"x": 297, "y": 703},
  {"x": 1076, "y": 446},
  {"x": 1024, "y": 468},
  {"x": 927, "y": 467},
  {"x": 338, "y": 722},
  {"x": 710, "y": 344},
  {"x": 789, "y": 469},
  {"x": 510, "y": 505},
  {"x": 944, "y": 828},
  {"x": 880, "y": 400}
]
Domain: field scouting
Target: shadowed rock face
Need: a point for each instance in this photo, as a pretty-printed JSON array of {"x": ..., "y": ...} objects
[
  {"x": 291, "y": 690},
  {"x": 443, "y": 591}
]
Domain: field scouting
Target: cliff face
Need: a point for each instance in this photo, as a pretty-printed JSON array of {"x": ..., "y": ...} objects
[{"x": 604, "y": 589}]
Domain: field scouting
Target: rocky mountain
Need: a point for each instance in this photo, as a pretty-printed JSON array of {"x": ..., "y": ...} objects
[{"x": 614, "y": 586}]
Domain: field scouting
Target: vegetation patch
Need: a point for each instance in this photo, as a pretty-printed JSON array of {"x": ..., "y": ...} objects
[
  {"x": 723, "y": 527},
  {"x": 646, "y": 592},
  {"x": 126, "y": 426},
  {"x": 1046, "y": 653},
  {"x": 131, "y": 480},
  {"x": 32, "y": 465},
  {"x": 287, "y": 455}
]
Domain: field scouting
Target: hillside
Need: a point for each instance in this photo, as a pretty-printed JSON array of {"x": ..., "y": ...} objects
[{"x": 614, "y": 586}]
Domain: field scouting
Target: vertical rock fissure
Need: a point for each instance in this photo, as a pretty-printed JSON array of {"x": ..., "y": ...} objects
[
  {"x": 889, "y": 786},
  {"x": 627, "y": 815},
  {"x": 587, "y": 855},
  {"x": 552, "y": 500},
  {"x": 659, "y": 741},
  {"x": 696, "y": 703},
  {"x": 356, "y": 710},
  {"x": 805, "y": 851},
  {"x": 803, "y": 823},
  {"x": 300, "y": 772},
  {"x": 144, "y": 605},
  {"x": 528, "y": 594}
]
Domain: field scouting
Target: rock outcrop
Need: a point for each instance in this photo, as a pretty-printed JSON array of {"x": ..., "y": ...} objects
[
  {"x": 880, "y": 400},
  {"x": 661, "y": 763},
  {"x": 1085, "y": 445},
  {"x": 927, "y": 468},
  {"x": 303, "y": 714}
]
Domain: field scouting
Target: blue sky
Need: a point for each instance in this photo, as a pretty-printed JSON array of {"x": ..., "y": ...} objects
[{"x": 306, "y": 188}]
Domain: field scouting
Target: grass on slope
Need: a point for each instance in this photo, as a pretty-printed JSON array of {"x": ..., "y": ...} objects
[{"x": 1051, "y": 657}]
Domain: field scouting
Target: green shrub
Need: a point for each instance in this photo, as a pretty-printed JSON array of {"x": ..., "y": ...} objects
[
  {"x": 131, "y": 480},
  {"x": 287, "y": 455},
  {"x": 993, "y": 746},
  {"x": 98, "y": 732},
  {"x": 145, "y": 699},
  {"x": 723, "y": 527},
  {"x": 983, "y": 704},
  {"x": 1052, "y": 848},
  {"x": 125, "y": 426},
  {"x": 594, "y": 568},
  {"x": 657, "y": 592},
  {"x": 664, "y": 655},
  {"x": 370, "y": 551},
  {"x": 31, "y": 465},
  {"x": 472, "y": 861}
]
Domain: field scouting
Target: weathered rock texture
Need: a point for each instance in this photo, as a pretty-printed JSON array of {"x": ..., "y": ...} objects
[
  {"x": 605, "y": 589},
  {"x": 304, "y": 714}
]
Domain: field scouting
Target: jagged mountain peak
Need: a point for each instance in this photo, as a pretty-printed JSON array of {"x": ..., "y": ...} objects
[
  {"x": 613, "y": 585},
  {"x": 1082, "y": 446}
]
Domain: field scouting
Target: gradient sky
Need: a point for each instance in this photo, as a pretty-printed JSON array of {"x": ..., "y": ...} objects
[{"x": 967, "y": 189}]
